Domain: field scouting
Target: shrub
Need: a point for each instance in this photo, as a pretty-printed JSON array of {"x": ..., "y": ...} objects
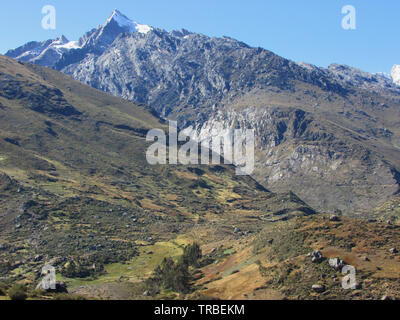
[
  {"x": 172, "y": 275},
  {"x": 74, "y": 270},
  {"x": 192, "y": 254},
  {"x": 4, "y": 268},
  {"x": 17, "y": 292}
]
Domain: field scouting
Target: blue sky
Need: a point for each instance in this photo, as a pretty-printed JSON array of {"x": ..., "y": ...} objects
[{"x": 307, "y": 30}]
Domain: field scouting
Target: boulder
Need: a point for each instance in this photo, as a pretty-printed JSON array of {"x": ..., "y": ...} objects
[
  {"x": 146, "y": 293},
  {"x": 336, "y": 263},
  {"x": 319, "y": 288},
  {"x": 334, "y": 218},
  {"x": 37, "y": 258},
  {"x": 317, "y": 257}
]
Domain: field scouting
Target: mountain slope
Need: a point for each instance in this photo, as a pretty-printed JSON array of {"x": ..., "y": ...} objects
[
  {"x": 335, "y": 130},
  {"x": 277, "y": 263},
  {"x": 77, "y": 192},
  {"x": 76, "y": 189}
]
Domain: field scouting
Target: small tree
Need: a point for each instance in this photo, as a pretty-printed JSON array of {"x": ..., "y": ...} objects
[
  {"x": 171, "y": 275},
  {"x": 70, "y": 270},
  {"x": 176, "y": 275},
  {"x": 192, "y": 254},
  {"x": 17, "y": 292}
]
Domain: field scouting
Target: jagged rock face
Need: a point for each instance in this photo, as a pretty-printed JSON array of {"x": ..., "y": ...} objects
[
  {"x": 361, "y": 78},
  {"x": 380, "y": 82},
  {"x": 179, "y": 70},
  {"x": 170, "y": 71},
  {"x": 331, "y": 135},
  {"x": 297, "y": 152}
]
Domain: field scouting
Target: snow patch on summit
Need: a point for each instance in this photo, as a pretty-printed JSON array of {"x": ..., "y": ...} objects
[
  {"x": 68, "y": 46},
  {"x": 124, "y": 22},
  {"x": 143, "y": 28}
]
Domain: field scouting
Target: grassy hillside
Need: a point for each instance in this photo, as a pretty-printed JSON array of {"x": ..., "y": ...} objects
[
  {"x": 77, "y": 192},
  {"x": 276, "y": 263}
]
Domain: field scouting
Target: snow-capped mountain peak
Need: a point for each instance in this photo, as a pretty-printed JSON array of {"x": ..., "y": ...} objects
[
  {"x": 61, "y": 40},
  {"x": 49, "y": 53},
  {"x": 124, "y": 22},
  {"x": 45, "y": 53},
  {"x": 120, "y": 19},
  {"x": 63, "y": 43}
]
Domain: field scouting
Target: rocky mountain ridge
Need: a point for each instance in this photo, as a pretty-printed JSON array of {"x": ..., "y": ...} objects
[
  {"x": 379, "y": 82},
  {"x": 210, "y": 84}
]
